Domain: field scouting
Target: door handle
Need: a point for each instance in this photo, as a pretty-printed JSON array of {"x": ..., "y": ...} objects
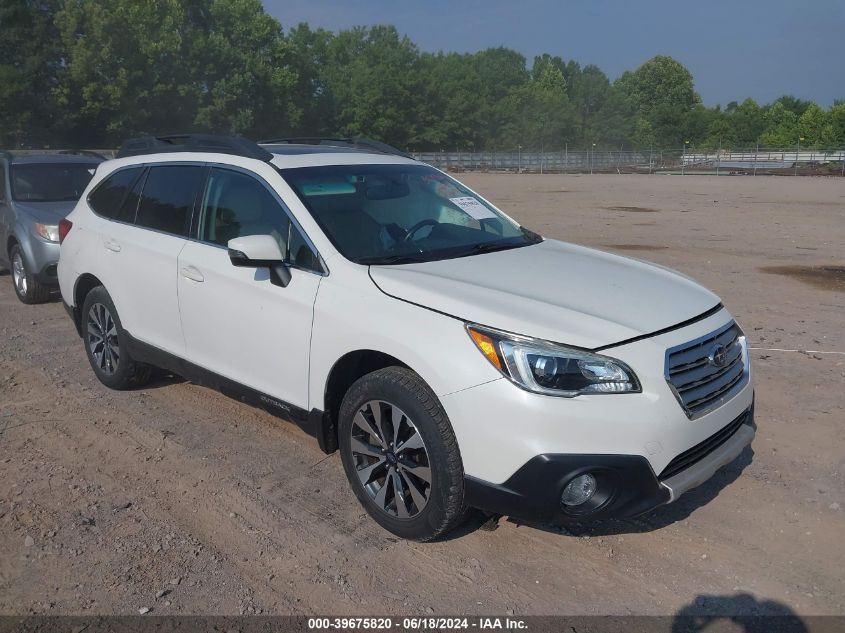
[
  {"x": 189, "y": 272},
  {"x": 112, "y": 245}
]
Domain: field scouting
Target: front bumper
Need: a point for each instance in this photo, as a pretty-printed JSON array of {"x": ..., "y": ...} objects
[
  {"x": 42, "y": 259},
  {"x": 627, "y": 485},
  {"x": 518, "y": 447}
]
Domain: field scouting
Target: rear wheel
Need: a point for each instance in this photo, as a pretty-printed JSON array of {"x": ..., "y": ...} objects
[
  {"x": 106, "y": 344},
  {"x": 401, "y": 456},
  {"x": 27, "y": 287}
]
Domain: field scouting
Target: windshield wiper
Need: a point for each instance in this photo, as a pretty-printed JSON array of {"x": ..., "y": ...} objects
[
  {"x": 490, "y": 247},
  {"x": 534, "y": 238},
  {"x": 390, "y": 259}
]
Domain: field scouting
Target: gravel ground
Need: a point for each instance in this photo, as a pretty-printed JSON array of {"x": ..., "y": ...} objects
[{"x": 179, "y": 500}]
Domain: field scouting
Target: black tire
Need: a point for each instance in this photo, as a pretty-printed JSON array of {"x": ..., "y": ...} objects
[
  {"x": 113, "y": 365},
  {"x": 28, "y": 289},
  {"x": 443, "y": 509}
]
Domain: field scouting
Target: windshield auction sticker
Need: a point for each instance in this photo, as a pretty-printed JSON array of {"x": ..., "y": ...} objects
[{"x": 472, "y": 207}]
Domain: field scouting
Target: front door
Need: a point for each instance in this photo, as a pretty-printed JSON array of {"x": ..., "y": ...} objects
[{"x": 236, "y": 322}]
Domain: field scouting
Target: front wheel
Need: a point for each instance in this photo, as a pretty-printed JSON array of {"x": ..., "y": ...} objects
[
  {"x": 106, "y": 344},
  {"x": 401, "y": 456},
  {"x": 27, "y": 287}
]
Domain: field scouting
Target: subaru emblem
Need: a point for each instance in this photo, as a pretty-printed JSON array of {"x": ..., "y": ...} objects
[{"x": 718, "y": 356}]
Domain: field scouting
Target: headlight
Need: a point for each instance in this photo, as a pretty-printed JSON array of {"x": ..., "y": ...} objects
[
  {"x": 48, "y": 231},
  {"x": 544, "y": 367}
]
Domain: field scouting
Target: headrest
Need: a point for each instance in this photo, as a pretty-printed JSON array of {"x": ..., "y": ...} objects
[{"x": 246, "y": 199}]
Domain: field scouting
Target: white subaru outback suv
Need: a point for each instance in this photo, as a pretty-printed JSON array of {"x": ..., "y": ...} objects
[{"x": 456, "y": 359}]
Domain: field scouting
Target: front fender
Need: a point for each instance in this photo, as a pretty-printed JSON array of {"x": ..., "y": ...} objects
[{"x": 355, "y": 315}]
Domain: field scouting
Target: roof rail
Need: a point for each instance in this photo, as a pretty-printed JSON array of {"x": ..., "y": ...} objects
[
  {"x": 356, "y": 143},
  {"x": 83, "y": 152},
  {"x": 235, "y": 145}
]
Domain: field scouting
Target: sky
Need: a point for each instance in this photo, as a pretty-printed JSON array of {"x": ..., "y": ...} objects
[{"x": 734, "y": 48}]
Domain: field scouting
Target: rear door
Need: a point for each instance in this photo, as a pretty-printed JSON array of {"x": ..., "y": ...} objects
[
  {"x": 141, "y": 250},
  {"x": 236, "y": 322}
]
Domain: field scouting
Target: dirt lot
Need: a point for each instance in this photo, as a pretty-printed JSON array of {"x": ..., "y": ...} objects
[{"x": 180, "y": 500}]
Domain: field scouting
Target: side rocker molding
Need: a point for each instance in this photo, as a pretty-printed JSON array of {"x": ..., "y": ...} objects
[{"x": 310, "y": 422}]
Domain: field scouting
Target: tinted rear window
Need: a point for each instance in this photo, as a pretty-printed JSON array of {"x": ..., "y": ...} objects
[
  {"x": 168, "y": 198},
  {"x": 110, "y": 194}
]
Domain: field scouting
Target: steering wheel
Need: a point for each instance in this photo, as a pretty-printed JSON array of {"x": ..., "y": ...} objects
[{"x": 419, "y": 225}]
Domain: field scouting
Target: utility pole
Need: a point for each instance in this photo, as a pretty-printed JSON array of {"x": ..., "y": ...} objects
[
  {"x": 592, "y": 156},
  {"x": 797, "y": 153},
  {"x": 519, "y": 164},
  {"x": 756, "y": 154},
  {"x": 684, "y": 158},
  {"x": 719, "y": 156}
]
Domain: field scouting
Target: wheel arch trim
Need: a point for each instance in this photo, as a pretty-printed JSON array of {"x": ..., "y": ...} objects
[
  {"x": 83, "y": 284},
  {"x": 343, "y": 373}
]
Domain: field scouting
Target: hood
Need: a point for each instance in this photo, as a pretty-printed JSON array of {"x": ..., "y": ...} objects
[
  {"x": 46, "y": 212},
  {"x": 552, "y": 290}
]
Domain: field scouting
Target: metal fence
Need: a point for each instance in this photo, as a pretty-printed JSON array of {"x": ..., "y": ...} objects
[{"x": 753, "y": 161}]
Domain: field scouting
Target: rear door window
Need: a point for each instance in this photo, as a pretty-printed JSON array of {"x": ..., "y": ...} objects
[
  {"x": 129, "y": 208},
  {"x": 168, "y": 198},
  {"x": 106, "y": 200}
]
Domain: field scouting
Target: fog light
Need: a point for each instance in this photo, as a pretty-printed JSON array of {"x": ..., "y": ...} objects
[{"x": 579, "y": 490}]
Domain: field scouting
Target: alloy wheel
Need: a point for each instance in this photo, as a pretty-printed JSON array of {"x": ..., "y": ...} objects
[
  {"x": 390, "y": 459},
  {"x": 19, "y": 274},
  {"x": 102, "y": 338}
]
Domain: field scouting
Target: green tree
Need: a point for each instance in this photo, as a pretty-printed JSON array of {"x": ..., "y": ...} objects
[
  {"x": 617, "y": 122},
  {"x": 451, "y": 110},
  {"x": 240, "y": 69},
  {"x": 588, "y": 90},
  {"x": 793, "y": 104},
  {"x": 837, "y": 123},
  {"x": 136, "y": 67},
  {"x": 374, "y": 80},
  {"x": 30, "y": 62},
  {"x": 747, "y": 123},
  {"x": 781, "y": 127},
  {"x": 643, "y": 134},
  {"x": 545, "y": 120},
  {"x": 660, "y": 83},
  {"x": 709, "y": 128},
  {"x": 310, "y": 94},
  {"x": 503, "y": 74},
  {"x": 662, "y": 91},
  {"x": 549, "y": 68},
  {"x": 816, "y": 126}
]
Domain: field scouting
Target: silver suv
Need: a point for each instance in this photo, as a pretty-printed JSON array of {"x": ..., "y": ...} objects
[{"x": 36, "y": 191}]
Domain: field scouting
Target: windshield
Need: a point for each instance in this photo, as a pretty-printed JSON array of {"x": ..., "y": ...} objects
[
  {"x": 396, "y": 214},
  {"x": 50, "y": 182}
]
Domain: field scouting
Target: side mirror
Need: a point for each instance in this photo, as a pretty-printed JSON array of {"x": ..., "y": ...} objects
[{"x": 260, "y": 251}]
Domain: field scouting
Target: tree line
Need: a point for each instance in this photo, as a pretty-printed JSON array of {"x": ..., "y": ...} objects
[{"x": 86, "y": 73}]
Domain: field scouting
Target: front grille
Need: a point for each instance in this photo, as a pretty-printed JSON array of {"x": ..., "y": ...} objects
[
  {"x": 699, "y": 383},
  {"x": 700, "y": 451}
]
